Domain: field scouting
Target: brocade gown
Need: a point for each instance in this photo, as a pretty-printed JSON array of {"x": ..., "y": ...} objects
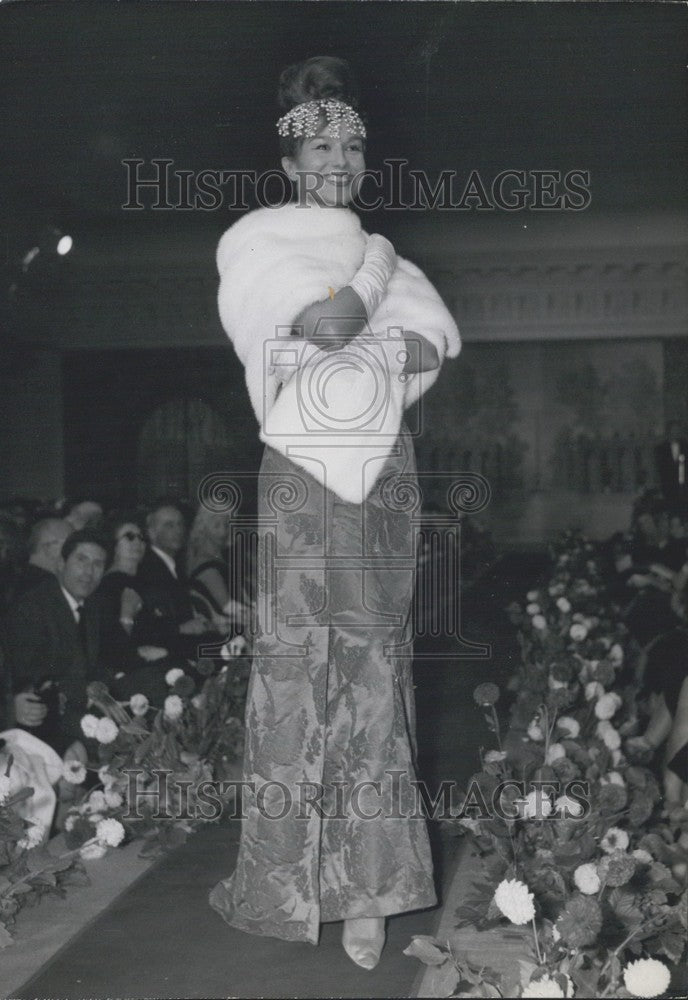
[{"x": 330, "y": 710}]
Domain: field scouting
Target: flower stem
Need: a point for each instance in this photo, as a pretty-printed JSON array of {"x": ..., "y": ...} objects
[
  {"x": 537, "y": 944},
  {"x": 496, "y": 725}
]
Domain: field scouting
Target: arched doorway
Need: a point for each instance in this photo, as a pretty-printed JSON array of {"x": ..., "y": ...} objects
[{"x": 180, "y": 442}]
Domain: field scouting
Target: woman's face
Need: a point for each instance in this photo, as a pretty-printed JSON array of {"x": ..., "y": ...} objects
[
  {"x": 218, "y": 529},
  {"x": 130, "y": 543},
  {"x": 325, "y": 169}
]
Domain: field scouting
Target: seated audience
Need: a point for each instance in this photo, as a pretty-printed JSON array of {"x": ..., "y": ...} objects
[
  {"x": 51, "y": 645},
  {"x": 127, "y": 627},
  {"x": 45, "y": 549},
  {"x": 161, "y": 585},
  {"x": 87, "y": 515},
  {"x": 208, "y": 571}
]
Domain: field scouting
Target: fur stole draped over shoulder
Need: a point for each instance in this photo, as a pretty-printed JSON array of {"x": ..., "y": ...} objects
[{"x": 336, "y": 414}]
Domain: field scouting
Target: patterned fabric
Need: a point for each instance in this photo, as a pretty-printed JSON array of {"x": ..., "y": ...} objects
[{"x": 330, "y": 711}]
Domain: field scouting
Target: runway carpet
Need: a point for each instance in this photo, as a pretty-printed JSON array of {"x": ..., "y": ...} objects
[{"x": 162, "y": 940}]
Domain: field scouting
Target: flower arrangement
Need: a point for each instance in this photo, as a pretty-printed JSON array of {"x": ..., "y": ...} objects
[
  {"x": 29, "y": 869},
  {"x": 575, "y": 847},
  {"x": 159, "y": 767}
]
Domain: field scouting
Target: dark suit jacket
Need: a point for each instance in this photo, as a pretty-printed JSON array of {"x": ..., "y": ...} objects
[
  {"x": 167, "y": 602},
  {"x": 31, "y": 577},
  {"x": 667, "y": 468},
  {"x": 42, "y": 641}
]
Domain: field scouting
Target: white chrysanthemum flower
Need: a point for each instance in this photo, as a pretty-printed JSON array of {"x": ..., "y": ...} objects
[
  {"x": 607, "y": 705},
  {"x": 616, "y": 654},
  {"x": 494, "y": 756},
  {"x": 578, "y": 632},
  {"x": 5, "y": 788},
  {"x": 535, "y": 732},
  {"x": 110, "y": 832},
  {"x": 614, "y": 840},
  {"x": 643, "y": 856},
  {"x": 564, "y": 605},
  {"x": 113, "y": 799},
  {"x": 73, "y": 771},
  {"x": 587, "y": 879},
  {"x": 173, "y": 675},
  {"x": 93, "y": 851},
  {"x": 539, "y": 622},
  {"x": 532, "y": 595},
  {"x": 173, "y": 707},
  {"x": 514, "y": 901},
  {"x": 34, "y": 836},
  {"x": 107, "y": 731},
  {"x": 593, "y": 689},
  {"x": 96, "y": 801},
  {"x": 89, "y": 726},
  {"x": 70, "y": 822},
  {"x": 611, "y": 739},
  {"x": 647, "y": 977},
  {"x": 555, "y": 751},
  {"x": 198, "y": 701},
  {"x": 612, "y": 778},
  {"x": 542, "y": 988},
  {"x": 105, "y": 777},
  {"x": 570, "y": 726},
  {"x": 533, "y": 608},
  {"x": 139, "y": 705},
  {"x": 95, "y": 817},
  {"x": 536, "y": 805},
  {"x": 570, "y": 807}
]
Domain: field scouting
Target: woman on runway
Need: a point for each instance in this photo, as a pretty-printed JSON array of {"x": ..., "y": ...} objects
[{"x": 338, "y": 336}]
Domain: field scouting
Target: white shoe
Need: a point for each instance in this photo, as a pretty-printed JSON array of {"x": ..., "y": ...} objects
[{"x": 363, "y": 940}]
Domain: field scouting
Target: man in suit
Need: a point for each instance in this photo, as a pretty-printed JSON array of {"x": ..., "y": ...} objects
[
  {"x": 51, "y": 645},
  {"x": 671, "y": 457},
  {"x": 160, "y": 582},
  {"x": 45, "y": 548}
]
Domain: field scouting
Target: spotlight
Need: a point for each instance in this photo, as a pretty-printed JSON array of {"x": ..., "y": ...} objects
[
  {"x": 52, "y": 241},
  {"x": 64, "y": 245}
]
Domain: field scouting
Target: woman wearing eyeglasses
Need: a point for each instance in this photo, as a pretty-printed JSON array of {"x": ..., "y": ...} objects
[{"x": 128, "y": 655}]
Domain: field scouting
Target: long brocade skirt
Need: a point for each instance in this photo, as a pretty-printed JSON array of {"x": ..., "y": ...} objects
[{"x": 331, "y": 826}]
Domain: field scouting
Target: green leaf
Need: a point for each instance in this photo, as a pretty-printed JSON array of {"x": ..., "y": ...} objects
[
  {"x": 75, "y": 876},
  {"x": 445, "y": 979},
  {"x": 43, "y": 878},
  {"x": 526, "y": 969},
  {"x": 624, "y": 906},
  {"x": 428, "y": 950},
  {"x": 668, "y": 943},
  {"x": 586, "y": 981}
]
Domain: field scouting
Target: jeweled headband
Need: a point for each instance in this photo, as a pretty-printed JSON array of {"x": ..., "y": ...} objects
[{"x": 303, "y": 119}]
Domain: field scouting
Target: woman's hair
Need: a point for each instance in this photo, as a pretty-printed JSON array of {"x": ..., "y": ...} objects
[
  {"x": 202, "y": 543},
  {"x": 315, "y": 79},
  {"x": 114, "y": 525}
]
